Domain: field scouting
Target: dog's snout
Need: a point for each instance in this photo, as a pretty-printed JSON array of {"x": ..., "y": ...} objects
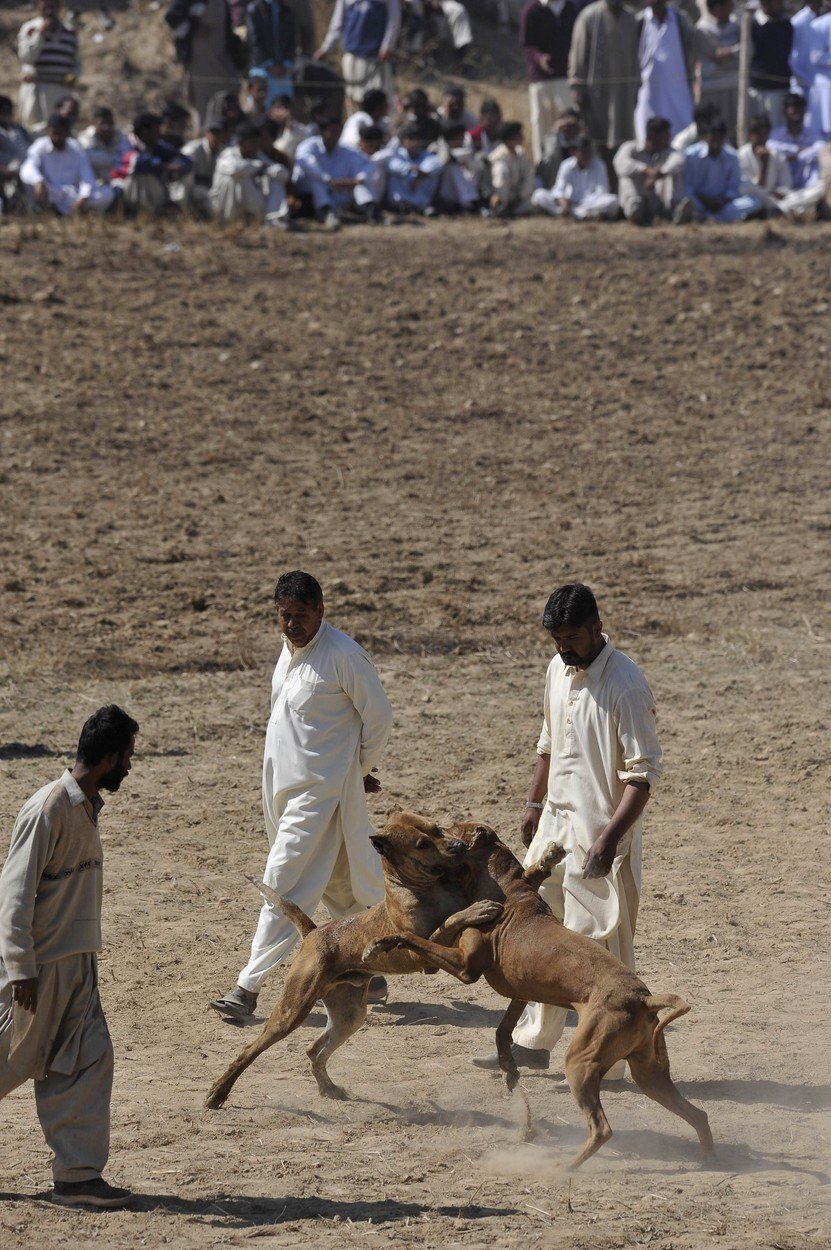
[{"x": 458, "y": 847}]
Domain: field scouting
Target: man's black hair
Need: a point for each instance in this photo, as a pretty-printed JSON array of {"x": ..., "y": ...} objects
[
  {"x": 173, "y": 112},
  {"x": 248, "y": 130},
  {"x": 372, "y": 134},
  {"x": 656, "y": 125},
  {"x": 57, "y": 121},
  {"x": 6, "y": 104},
  {"x": 372, "y": 100},
  {"x": 570, "y": 605},
  {"x": 453, "y": 128},
  {"x": 795, "y": 100},
  {"x": 330, "y": 120},
  {"x": 761, "y": 121},
  {"x": 490, "y": 106},
  {"x": 282, "y": 98},
  {"x": 413, "y": 130},
  {"x": 102, "y": 113},
  {"x": 509, "y": 130},
  {"x": 301, "y": 587},
  {"x": 717, "y": 127},
  {"x": 704, "y": 114},
  {"x": 107, "y": 732},
  {"x": 145, "y": 121}
]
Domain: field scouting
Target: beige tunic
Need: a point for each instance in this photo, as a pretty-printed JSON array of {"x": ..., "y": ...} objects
[{"x": 604, "y": 63}]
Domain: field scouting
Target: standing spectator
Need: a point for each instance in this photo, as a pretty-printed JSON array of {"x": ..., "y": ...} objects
[
  {"x": 368, "y": 32},
  {"x": 204, "y": 154},
  {"x": 764, "y": 170},
  {"x": 149, "y": 168},
  {"x": 52, "y": 1025},
  {"x": 208, "y": 47},
  {"x": 330, "y": 721},
  {"x": 104, "y": 144},
  {"x": 649, "y": 182},
  {"x": 337, "y": 178},
  {"x": 58, "y": 174},
  {"x": 802, "y": 71},
  {"x": 512, "y": 175},
  {"x": 581, "y": 190},
  {"x": 667, "y": 58},
  {"x": 545, "y": 30},
  {"x": 50, "y": 61},
  {"x": 604, "y": 73},
  {"x": 272, "y": 43},
  {"x": 712, "y": 182},
  {"x": 718, "y": 61},
  {"x": 373, "y": 111},
  {"x": 413, "y": 173},
  {"x": 14, "y": 144},
  {"x": 819, "y": 94},
  {"x": 246, "y": 185},
  {"x": 256, "y": 103},
  {"x": 771, "y": 36}
]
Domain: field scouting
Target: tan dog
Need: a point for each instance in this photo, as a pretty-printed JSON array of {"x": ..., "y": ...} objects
[
  {"x": 527, "y": 955},
  {"x": 423, "y": 895}
]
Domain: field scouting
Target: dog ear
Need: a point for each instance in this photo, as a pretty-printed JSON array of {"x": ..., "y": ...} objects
[
  {"x": 381, "y": 844},
  {"x": 485, "y": 834}
]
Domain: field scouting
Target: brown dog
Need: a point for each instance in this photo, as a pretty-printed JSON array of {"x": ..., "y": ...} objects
[
  {"x": 527, "y": 955},
  {"x": 424, "y": 895}
]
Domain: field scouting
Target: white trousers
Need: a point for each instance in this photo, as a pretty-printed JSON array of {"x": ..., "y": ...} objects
[
  {"x": 540, "y": 1026},
  {"x": 234, "y": 198},
  {"x": 547, "y": 101},
  {"x": 596, "y": 204},
  {"x": 323, "y": 878}
]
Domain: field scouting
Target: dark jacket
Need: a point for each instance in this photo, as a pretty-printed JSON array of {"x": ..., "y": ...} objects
[
  {"x": 541, "y": 31},
  {"x": 771, "y": 42},
  {"x": 262, "y": 49},
  {"x": 183, "y": 23}
]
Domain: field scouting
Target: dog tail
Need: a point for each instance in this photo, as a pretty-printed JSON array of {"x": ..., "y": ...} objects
[
  {"x": 658, "y": 1002},
  {"x": 303, "y": 923}
]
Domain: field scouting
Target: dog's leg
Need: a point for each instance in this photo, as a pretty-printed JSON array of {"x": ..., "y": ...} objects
[
  {"x": 346, "y": 1008},
  {"x": 457, "y": 960},
  {"x": 507, "y": 1063},
  {"x": 476, "y": 916},
  {"x": 584, "y": 1071},
  {"x": 300, "y": 992},
  {"x": 649, "y": 1066},
  {"x": 535, "y": 874}
]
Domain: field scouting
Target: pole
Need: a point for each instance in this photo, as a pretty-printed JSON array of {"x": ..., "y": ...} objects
[{"x": 748, "y": 10}]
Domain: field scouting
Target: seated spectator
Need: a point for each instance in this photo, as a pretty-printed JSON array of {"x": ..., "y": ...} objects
[
  {"x": 649, "y": 175},
  {"x": 149, "y": 168},
  {"x": 69, "y": 108},
  {"x": 413, "y": 172},
  {"x": 484, "y": 136},
  {"x": 512, "y": 177},
  {"x": 416, "y": 108},
  {"x": 581, "y": 190},
  {"x": 799, "y": 144},
  {"x": 458, "y": 189},
  {"x": 14, "y": 144},
  {"x": 372, "y": 112},
  {"x": 452, "y": 107},
  {"x": 286, "y": 133},
  {"x": 703, "y": 115},
  {"x": 338, "y": 179},
  {"x": 225, "y": 106},
  {"x": 256, "y": 104},
  {"x": 175, "y": 124},
  {"x": 712, "y": 182},
  {"x": 372, "y": 145},
  {"x": 204, "y": 154},
  {"x": 245, "y": 185},
  {"x": 50, "y": 61},
  {"x": 764, "y": 170},
  {"x": 825, "y": 178},
  {"x": 104, "y": 144},
  {"x": 58, "y": 175},
  {"x": 558, "y": 145}
]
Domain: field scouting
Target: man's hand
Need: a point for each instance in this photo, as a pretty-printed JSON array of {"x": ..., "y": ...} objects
[
  {"x": 41, "y": 194},
  {"x": 384, "y": 55},
  {"x": 25, "y": 994},
  {"x": 371, "y": 784},
  {"x": 319, "y": 55},
  {"x": 599, "y": 859},
  {"x": 544, "y": 62},
  {"x": 530, "y": 824}
]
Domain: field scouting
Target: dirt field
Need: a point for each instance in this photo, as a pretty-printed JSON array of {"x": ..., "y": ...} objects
[{"x": 442, "y": 423}]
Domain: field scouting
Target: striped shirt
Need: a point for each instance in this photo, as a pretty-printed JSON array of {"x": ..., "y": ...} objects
[{"x": 50, "y": 57}]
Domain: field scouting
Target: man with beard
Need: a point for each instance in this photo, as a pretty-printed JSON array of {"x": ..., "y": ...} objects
[
  {"x": 52, "y": 1026},
  {"x": 597, "y": 759}
]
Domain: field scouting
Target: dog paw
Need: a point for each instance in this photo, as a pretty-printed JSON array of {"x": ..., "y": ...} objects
[
  {"x": 484, "y": 912},
  {"x": 215, "y": 1100},
  {"x": 334, "y": 1091},
  {"x": 379, "y": 947}
]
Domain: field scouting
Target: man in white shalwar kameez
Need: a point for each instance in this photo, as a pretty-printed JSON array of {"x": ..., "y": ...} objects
[
  {"x": 665, "y": 52},
  {"x": 598, "y": 757},
  {"x": 330, "y": 721}
]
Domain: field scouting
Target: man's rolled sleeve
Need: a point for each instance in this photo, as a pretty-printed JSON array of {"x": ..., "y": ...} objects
[
  {"x": 638, "y": 736},
  {"x": 544, "y": 742}
]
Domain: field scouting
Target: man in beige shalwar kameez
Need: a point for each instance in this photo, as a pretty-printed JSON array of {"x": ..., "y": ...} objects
[
  {"x": 52, "y": 1027},
  {"x": 604, "y": 74},
  {"x": 597, "y": 758}
]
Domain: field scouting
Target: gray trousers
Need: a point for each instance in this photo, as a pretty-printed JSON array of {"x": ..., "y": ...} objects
[{"x": 65, "y": 1049}]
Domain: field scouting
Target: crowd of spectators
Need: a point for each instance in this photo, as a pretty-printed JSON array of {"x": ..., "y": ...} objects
[{"x": 632, "y": 115}]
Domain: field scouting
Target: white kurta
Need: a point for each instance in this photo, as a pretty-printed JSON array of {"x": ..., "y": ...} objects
[
  {"x": 599, "y": 729},
  {"x": 330, "y": 720},
  {"x": 664, "y": 90}
]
